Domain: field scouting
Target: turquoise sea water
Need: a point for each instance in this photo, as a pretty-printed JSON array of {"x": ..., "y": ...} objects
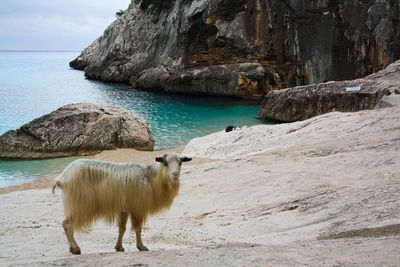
[{"x": 35, "y": 83}]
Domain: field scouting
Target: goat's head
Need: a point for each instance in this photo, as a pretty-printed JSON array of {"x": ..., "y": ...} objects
[{"x": 172, "y": 162}]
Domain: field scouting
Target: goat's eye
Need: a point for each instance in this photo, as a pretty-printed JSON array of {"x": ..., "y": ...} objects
[{"x": 165, "y": 164}]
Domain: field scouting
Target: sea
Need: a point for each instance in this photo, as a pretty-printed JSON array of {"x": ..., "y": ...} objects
[{"x": 34, "y": 83}]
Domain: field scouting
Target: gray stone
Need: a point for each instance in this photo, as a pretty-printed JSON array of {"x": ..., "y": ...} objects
[
  {"x": 82, "y": 60},
  {"x": 388, "y": 101},
  {"x": 376, "y": 12},
  {"x": 300, "y": 103},
  {"x": 77, "y": 129}
]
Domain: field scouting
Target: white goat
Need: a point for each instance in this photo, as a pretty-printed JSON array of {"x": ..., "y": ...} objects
[{"x": 93, "y": 189}]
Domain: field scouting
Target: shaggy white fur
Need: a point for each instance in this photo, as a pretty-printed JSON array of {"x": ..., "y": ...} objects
[{"x": 93, "y": 189}]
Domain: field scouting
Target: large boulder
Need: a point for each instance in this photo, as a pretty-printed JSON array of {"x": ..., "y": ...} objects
[
  {"x": 300, "y": 103},
  {"x": 200, "y": 46},
  {"x": 77, "y": 129}
]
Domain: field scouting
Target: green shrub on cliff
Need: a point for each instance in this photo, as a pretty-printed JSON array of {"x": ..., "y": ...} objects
[{"x": 119, "y": 13}]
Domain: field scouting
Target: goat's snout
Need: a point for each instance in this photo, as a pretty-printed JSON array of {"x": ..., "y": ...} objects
[{"x": 175, "y": 174}]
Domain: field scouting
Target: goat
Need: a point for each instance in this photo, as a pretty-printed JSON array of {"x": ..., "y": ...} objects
[{"x": 93, "y": 189}]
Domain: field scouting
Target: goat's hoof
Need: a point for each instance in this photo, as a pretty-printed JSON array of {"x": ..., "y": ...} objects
[
  {"x": 142, "y": 248},
  {"x": 120, "y": 249},
  {"x": 76, "y": 251}
]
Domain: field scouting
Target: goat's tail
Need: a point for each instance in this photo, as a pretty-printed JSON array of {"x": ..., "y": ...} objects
[{"x": 57, "y": 183}]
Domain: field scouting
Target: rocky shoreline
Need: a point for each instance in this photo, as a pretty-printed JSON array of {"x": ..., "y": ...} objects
[{"x": 85, "y": 128}]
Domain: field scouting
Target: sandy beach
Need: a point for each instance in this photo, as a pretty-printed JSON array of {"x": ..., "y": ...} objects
[{"x": 319, "y": 192}]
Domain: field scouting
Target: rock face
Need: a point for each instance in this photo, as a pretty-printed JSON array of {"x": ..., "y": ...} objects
[
  {"x": 388, "y": 101},
  {"x": 77, "y": 129},
  {"x": 300, "y": 103},
  {"x": 243, "y": 47}
]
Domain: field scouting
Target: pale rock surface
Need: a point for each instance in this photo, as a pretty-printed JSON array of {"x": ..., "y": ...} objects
[
  {"x": 388, "y": 101},
  {"x": 77, "y": 129},
  {"x": 324, "y": 191}
]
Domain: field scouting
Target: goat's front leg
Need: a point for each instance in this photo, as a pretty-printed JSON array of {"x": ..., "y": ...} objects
[
  {"x": 69, "y": 232},
  {"x": 123, "y": 218},
  {"x": 139, "y": 243}
]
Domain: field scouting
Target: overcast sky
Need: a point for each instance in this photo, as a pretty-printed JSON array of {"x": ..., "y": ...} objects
[{"x": 55, "y": 24}]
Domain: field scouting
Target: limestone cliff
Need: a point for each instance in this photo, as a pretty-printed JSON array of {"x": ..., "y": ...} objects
[{"x": 243, "y": 47}]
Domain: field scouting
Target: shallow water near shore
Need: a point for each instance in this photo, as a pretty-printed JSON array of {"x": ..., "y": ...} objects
[{"x": 35, "y": 83}]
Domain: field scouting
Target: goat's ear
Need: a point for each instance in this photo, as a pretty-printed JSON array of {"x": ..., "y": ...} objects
[
  {"x": 159, "y": 159},
  {"x": 184, "y": 159}
]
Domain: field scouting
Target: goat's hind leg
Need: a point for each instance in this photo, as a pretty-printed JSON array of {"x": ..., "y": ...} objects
[
  {"x": 139, "y": 243},
  {"x": 137, "y": 222},
  {"x": 69, "y": 232},
  {"x": 123, "y": 218}
]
